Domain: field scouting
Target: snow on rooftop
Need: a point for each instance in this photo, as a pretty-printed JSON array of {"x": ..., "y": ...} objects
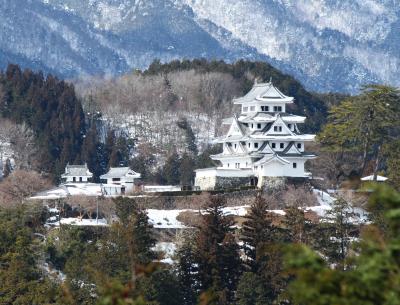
[{"x": 70, "y": 189}]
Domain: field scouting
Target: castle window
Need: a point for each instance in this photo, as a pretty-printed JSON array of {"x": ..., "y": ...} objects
[
  {"x": 290, "y": 126},
  {"x": 252, "y": 125},
  {"x": 265, "y": 108},
  {"x": 228, "y": 164},
  {"x": 252, "y": 108},
  {"x": 255, "y": 145},
  {"x": 294, "y": 165},
  {"x": 299, "y": 145},
  {"x": 278, "y": 128},
  {"x": 282, "y": 145},
  {"x": 273, "y": 145},
  {"x": 278, "y": 108},
  {"x": 259, "y": 126},
  {"x": 235, "y": 146},
  {"x": 248, "y": 144},
  {"x": 245, "y": 109}
]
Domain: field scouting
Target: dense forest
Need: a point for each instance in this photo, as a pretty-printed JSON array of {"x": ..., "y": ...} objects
[{"x": 294, "y": 261}]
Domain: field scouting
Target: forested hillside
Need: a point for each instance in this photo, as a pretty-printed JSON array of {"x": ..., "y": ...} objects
[
  {"x": 44, "y": 123},
  {"x": 199, "y": 86},
  {"x": 174, "y": 111},
  {"x": 159, "y": 121}
]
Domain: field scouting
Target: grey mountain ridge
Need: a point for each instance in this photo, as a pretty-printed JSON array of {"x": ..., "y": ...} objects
[{"x": 333, "y": 46}]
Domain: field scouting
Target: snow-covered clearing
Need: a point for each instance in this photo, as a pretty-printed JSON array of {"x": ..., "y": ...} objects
[
  {"x": 165, "y": 219},
  {"x": 70, "y": 189},
  {"x": 168, "y": 249}
]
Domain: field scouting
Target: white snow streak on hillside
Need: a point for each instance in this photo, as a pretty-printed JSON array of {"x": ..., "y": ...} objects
[
  {"x": 165, "y": 219},
  {"x": 168, "y": 248}
]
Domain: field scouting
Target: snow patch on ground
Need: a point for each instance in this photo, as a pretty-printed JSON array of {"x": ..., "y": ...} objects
[
  {"x": 70, "y": 189},
  {"x": 165, "y": 219},
  {"x": 168, "y": 248}
]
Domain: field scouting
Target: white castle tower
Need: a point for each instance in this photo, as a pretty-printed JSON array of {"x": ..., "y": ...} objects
[{"x": 262, "y": 142}]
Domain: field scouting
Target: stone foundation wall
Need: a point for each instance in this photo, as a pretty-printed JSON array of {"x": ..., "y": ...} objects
[
  {"x": 278, "y": 183},
  {"x": 230, "y": 182},
  {"x": 271, "y": 183},
  {"x": 219, "y": 183},
  {"x": 236, "y": 198}
]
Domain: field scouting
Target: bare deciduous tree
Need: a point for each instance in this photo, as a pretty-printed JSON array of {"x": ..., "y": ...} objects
[
  {"x": 17, "y": 141},
  {"x": 20, "y": 185}
]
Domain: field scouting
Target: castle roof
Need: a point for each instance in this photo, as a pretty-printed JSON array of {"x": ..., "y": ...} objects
[
  {"x": 118, "y": 172},
  {"x": 264, "y": 92},
  {"x": 76, "y": 171},
  {"x": 265, "y": 117}
]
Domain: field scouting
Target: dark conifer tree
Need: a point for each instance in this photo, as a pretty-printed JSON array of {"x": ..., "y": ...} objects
[
  {"x": 187, "y": 271},
  {"x": 7, "y": 168},
  {"x": 51, "y": 109},
  {"x": 296, "y": 226},
  {"x": 186, "y": 170},
  {"x": 171, "y": 169},
  {"x": 120, "y": 152},
  {"x": 262, "y": 244},
  {"x": 189, "y": 136},
  {"x": 334, "y": 234},
  {"x": 256, "y": 231},
  {"x": 135, "y": 223},
  {"x": 217, "y": 253}
]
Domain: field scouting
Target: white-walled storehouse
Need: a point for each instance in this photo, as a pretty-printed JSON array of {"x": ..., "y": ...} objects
[
  {"x": 118, "y": 181},
  {"x": 76, "y": 173},
  {"x": 262, "y": 141}
]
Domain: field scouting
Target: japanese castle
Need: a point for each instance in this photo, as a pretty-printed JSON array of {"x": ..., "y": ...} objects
[{"x": 262, "y": 144}]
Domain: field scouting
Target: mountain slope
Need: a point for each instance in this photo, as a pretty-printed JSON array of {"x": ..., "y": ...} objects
[{"x": 328, "y": 45}]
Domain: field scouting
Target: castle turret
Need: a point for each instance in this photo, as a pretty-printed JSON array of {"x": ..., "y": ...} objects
[{"x": 263, "y": 141}]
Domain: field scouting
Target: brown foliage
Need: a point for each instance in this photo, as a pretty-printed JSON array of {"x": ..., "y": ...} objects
[{"x": 20, "y": 185}]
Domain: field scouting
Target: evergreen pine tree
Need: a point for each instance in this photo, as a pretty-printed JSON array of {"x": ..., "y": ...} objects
[
  {"x": 187, "y": 271},
  {"x": 7, "y": 168},
  {"x": 296, "y": 226},
  {"x": 189, "y": 136},
  {"x": 333, "y": 237},
  {"x": 217, "y": 253},
  {"x": 257, "y": 229},
  {"x": 186, "y": 170},
  {"x": 171, "y": 169}
]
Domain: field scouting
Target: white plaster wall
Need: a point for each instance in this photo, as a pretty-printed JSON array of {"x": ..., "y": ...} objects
[
  {"x": 277, "y": 169},
  {"x": 71, "y": 179},
  {"x": 204, "y": 182}
]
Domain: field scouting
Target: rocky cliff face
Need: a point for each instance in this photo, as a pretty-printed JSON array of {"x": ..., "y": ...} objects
[{"x": 328, "y": 45}]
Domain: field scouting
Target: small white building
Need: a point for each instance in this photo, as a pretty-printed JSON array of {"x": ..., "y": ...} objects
[
  {"x": 76, "y": 173},
  {"x": 371, "y": 178},
  {"x": 118, "y": 181},
  {"x": 262, "y": 142}
]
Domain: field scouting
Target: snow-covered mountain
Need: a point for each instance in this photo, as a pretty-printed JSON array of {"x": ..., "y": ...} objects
[{"x": 327, "y": 44}]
